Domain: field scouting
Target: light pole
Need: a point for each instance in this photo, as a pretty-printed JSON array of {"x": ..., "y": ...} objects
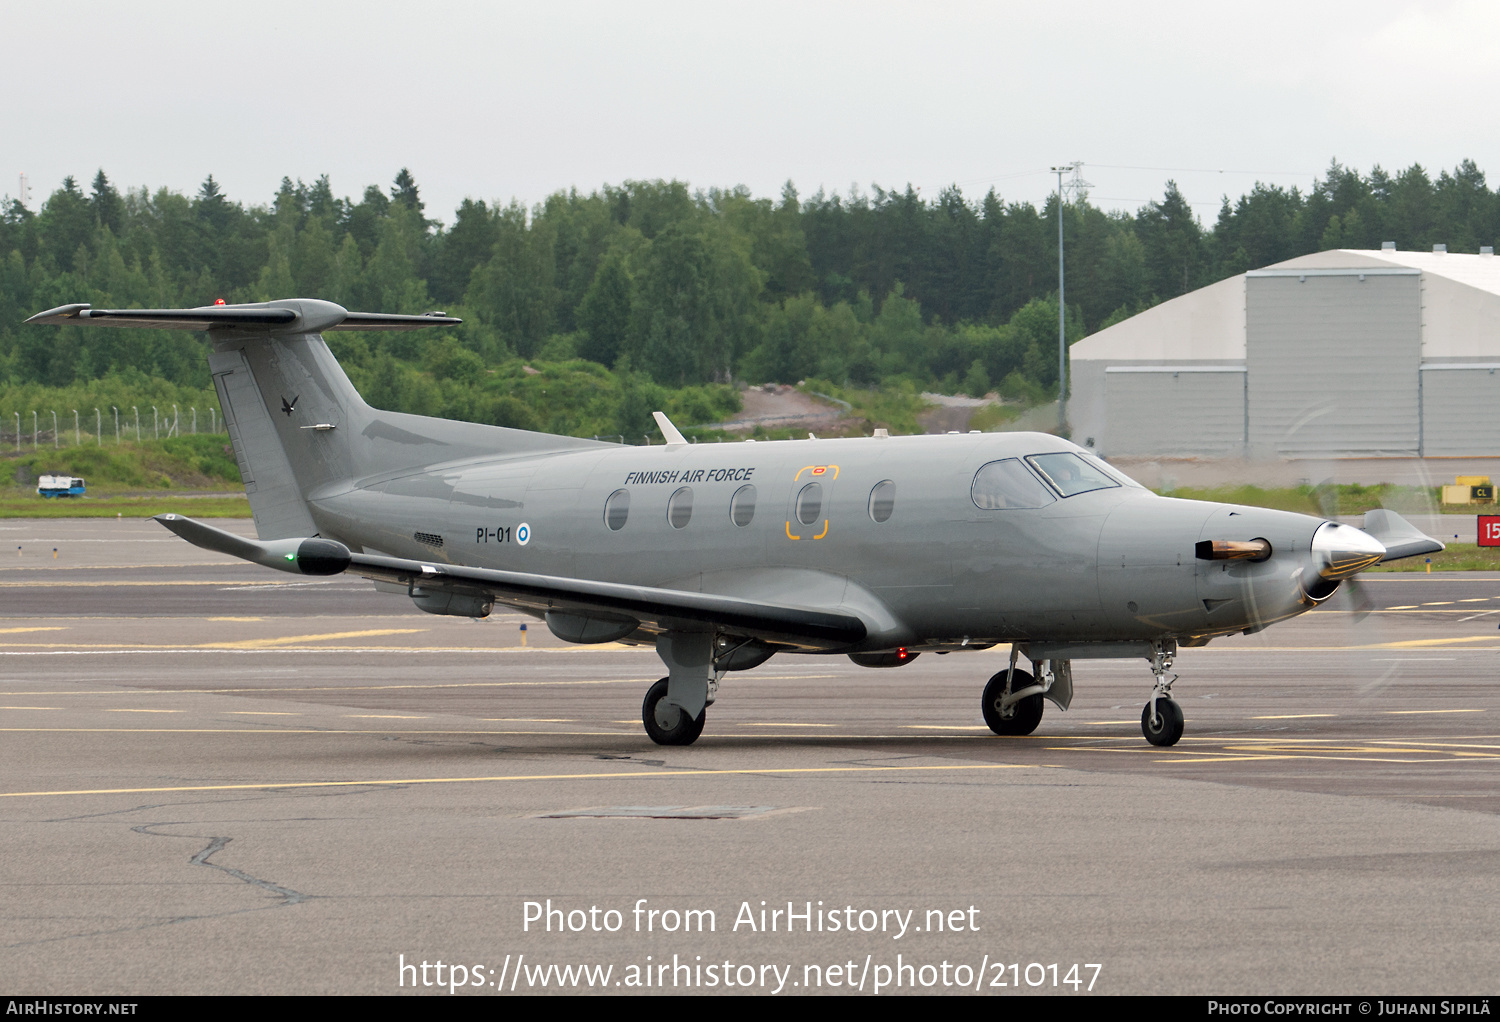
[
  {"x": 1062, "y": 322},
  {"x": 117, "y": 424},
  {"x": 195, "y": 420},
  {"x": 77, "y": 434},
  {"x": 137, "y": 411},
  {"x": 18, "y": 432},
  {"x": 155, "y": 424},
  {"x": 1062, "y": 306},
  {"x": 98, "y": 428},
  {"x": 174, "y": 431},
  {"x": 35, "y": 431},
  {"x": 54, "y": 429}
]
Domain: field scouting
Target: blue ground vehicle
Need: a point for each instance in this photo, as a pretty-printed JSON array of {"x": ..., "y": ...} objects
[{"x": 60, "y": 486}]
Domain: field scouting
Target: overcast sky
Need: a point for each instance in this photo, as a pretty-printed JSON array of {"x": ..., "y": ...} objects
[{"x": 500, "y": 101}]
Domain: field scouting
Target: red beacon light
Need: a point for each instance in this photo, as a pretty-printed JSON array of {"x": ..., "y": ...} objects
[{"x": 218, "y": 301}]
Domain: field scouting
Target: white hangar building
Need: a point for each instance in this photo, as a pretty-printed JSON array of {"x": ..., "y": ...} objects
[{"x": 1339, "y": 354}]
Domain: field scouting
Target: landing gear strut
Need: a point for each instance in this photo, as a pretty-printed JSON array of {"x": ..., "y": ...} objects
[
  {"x": 675, "y": 707},
  {"x": 1161, "y": 720},
  {"x": 1012, "y": 702}
]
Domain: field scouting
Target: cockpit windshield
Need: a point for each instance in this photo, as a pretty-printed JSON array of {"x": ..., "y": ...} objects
[
  {"x": 1111, "y": 471},
  {"x": 1070, "y": 474}
]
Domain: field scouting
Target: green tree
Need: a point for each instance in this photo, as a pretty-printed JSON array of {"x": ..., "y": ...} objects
[
  {"x": 604, "y": 314},
  {"x": 404, "y": 191},
  {"x": 109, "y": 208},
  {"x": 977, "y": 380}
]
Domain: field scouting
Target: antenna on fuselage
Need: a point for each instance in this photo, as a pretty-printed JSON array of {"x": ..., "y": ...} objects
[{"x": 672, "y": 433}]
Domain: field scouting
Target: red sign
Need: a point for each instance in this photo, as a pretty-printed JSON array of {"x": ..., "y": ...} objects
[{"x": 1489, "y": 530}]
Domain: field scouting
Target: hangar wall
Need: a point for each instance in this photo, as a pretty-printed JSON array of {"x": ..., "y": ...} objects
[
  {"x": 1176, "y": 410},
  {"x": 1335, "y": 355},
  {"x": 1332, "y": 358},
  {"x": 1461, "y": 409}
]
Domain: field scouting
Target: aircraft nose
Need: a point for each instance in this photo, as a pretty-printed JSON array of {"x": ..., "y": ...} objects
[{"x": 1339, "y": 551}]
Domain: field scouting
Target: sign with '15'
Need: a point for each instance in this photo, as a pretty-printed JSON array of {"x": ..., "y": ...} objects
[{"x": 1489, "y": 530}]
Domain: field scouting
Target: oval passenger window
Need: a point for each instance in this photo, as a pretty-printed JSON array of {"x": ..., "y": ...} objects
[
  {"x": 742, "y": 506},
  {"x": 680, "y": 508},
  {"x": 1008, "y": 484},
  {"x": 883, "y": 500},
  {"x": 617, "y": 510},
  {"x": 810, "y": 503}
]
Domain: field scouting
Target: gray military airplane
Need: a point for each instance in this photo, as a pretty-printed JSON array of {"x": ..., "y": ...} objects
[{"x": 723, "y": 555}]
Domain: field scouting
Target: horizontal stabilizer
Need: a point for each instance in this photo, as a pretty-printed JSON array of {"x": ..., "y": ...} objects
[
  {"x": 294, "y": 315},
  {"x": 656, "y": 609},
  {"x": 299, "y": 556},
  {"x": 1399, "y": 537}
]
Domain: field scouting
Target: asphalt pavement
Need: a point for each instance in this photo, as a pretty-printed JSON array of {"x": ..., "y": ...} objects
[{"x": 217, "y": 778}]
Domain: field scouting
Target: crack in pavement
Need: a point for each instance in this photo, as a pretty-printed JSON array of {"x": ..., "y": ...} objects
[{"x": 217, "y": 844}]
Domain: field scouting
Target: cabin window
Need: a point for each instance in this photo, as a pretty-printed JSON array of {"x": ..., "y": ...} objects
[
  {"x": 742, "y": 506},
  {"x": 810, "y": 503},
  {"x": 883, "y": 500},
  {"x": 1007, "y": 484},
  {"x": 1070, "y": 474},
  {"x": 617, "y": 510},
  {"x": 680, "y": 507}
]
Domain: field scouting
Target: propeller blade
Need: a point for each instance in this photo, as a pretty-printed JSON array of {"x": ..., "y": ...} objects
[{"x": 1360, "y": 600}]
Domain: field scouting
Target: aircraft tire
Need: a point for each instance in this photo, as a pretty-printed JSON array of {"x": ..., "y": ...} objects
[
  {"x": 684, "y": 732},
  {"x": 1028, "y": 712},
  {"x": 1169, "y": 728}
]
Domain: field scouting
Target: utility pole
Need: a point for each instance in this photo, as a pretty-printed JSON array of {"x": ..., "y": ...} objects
[{"x": 1076, "y": 186}]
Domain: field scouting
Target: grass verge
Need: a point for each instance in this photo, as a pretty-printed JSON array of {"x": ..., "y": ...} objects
[{"x": 229, "y": 505}]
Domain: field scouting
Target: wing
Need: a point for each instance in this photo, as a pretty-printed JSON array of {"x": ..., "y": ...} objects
[{"x": 655, "y": 609}]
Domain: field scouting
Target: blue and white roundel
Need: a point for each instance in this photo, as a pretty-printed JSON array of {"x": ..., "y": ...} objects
[{"x": 523, "y": 534}]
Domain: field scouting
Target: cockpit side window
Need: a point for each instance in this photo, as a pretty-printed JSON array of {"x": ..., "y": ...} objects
[
  {"x": 1008, "y": 484},
  {"x": 1069, "y": 474}
]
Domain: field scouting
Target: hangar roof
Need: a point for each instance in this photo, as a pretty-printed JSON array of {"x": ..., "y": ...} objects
[
  {"x": 1476, "y": 271},
  {"x": 1209, "y": 324}
]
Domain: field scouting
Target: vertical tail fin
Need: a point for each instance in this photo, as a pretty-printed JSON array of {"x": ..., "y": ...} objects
[
  {"x": 289, "y": 410},
  {"x": 298, "y": 427}
]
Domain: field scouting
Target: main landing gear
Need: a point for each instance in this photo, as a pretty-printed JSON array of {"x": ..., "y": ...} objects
[
  {"x": 668, "y": 724},
  {"x": 1012, "y": 702},
  {"x": 1161, "y": 720},
  {"x": 675, "y": 707}
]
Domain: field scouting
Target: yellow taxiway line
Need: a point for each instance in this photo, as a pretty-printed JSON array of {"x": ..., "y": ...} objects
[{"x": 522, "y": 777}]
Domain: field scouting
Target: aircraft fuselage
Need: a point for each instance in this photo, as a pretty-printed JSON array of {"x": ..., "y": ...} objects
[{"x": 1113, "y": 564}]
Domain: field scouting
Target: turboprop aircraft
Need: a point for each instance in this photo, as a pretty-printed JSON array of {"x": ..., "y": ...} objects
[{"x": 724, "y": 555}]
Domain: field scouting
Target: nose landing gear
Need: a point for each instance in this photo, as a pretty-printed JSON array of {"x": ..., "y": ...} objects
[{"x": 1161, "y": 720}]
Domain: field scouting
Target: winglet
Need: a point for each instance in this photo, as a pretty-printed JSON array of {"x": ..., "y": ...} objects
[{"x": 672, "y": 433}]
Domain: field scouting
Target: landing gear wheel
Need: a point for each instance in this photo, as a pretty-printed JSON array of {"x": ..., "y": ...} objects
[
  {"x": 667, "y": 724},
  {"x": 1167, "y": 727},
  {"x": 1019, "y": 718}
]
